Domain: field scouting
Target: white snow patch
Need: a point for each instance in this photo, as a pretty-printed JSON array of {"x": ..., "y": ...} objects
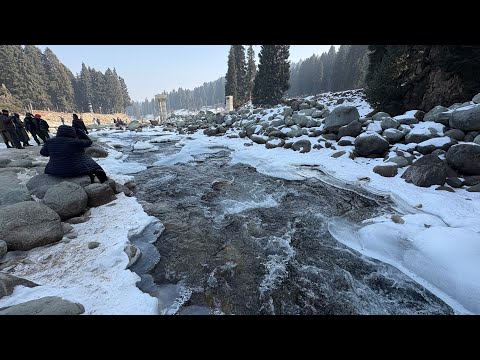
[
  {"x": 427, "y": 128},
  {"x": 437, "y": 142}
]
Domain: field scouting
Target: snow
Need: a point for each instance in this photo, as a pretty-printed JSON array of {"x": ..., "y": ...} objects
[
  {"x": 276, "y": 141},
  {"x": 141, "y": 145},
  {"x": 437, "y": 142},
  {"x": 96, "y": 278},
  {"x": 423, "y": 128},
  {"x": 443, "y": 259},
  {"x": 408, "y": 115},
  {"x": 375, "y": 126},
  {"x": 463, "y": 108}
]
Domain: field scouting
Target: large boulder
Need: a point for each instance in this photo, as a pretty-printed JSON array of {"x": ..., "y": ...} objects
[
  {"x": 96, "y": 151},
  {"x": 353, "y": 129},
  {"x": 379, "y": 115},
  {"x": 15, "y": 196},
  {"x": 371, "y": 144},
  {"x": 67, "y": 199},
  {"x": 427, "y": 171},
  {"x": 8, "y": 283},
  {"x": 465, "y": 158},
  {"x": 49, "y": 305},
  {"x": 466, "y": 120},
  {"x": 389, "y": 123},
  {"x": 476, "y": 99},
  {"x": 477, "y": 140},
  {"x": 26, "y": 225},
  {"x": 134, "y": 125},
  {"x": 340, "y": 116},
  {"x": 424, "y": 131},
  {"x": 49, "y": 180},
  {"x": 300, "y": 120},
  {"x": 433, "y": 114},
  {"x": 99, "y": 194},
  {"x": 393, "y": 135}
]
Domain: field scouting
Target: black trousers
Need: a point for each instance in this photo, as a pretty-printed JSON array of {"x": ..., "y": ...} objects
[
  {"x": 15, "y": 139},
  {"x": 34, "y": 135},
  {"x": 99, "y": 174}
]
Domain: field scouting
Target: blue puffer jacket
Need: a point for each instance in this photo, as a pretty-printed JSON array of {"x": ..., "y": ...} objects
[{"x": 67, "y": 154}]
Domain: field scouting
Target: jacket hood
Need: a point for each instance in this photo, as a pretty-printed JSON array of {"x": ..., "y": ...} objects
[{"x": 66, "y": 131}]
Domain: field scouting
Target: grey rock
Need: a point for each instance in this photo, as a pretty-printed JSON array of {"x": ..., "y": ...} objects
[
  {"x": 433, "y": 114},
  {"x": 466, "y": 120},
  {"x": 134, "y": 125},
  {"x": 338, "y": 154},
  {"x": 400, "y": 161},
  {"x": 476, "y": 99},
  {"x": 4, "y": 162},
  {"x": 66, "y": 228},
  {"x": 317, "y": 146},
  {"x": 23, "y": 163},
  {"x": 380, "y": 115},
  {"x": 475, "y": 188},
  {"x": 49, "y": 305},
  {"x": 371, "y": 145},
  {"x": 397, "y": 219},
  {"x": 427, "y": 171},
  {"x": 271, "y": 145},
  {"x": 242, "y": 134},
  {"x": 8, "y": 283},
  {"x": 48, "y": 180},
  {"x": 133, "y": 254},
  {"x": 299, "y": 120},
  {"x": 477, "y": 140},
  {"x": 455, "y": 134},
  {"x": 306, "y": 112},
  {"x": 454, "y": 182},
  {"x": 317, "y": 114},
  {"x": 15, "y": 196},
  {"x": 312, "y": 123},
  {"x": 99, "y": 194},
  {"x": 393, "y": 135},
  {"x": 345, "y": 142},
  {"x": 465, "y": 158},
  {"x": 3, "y": 248},
  {"x": 471, "y": 180},
  {"x": 303, "y": 145},
  {"x": 303, "y": 106},
  {"x": 386, "y": 170},
  {"x": 353, "y": 129},
  {"x": 258, "y": 139},
  {"x": 93, "y": 244},
  {"x": 389, "y": 123},
  {"x": 96, "y": 151},
  {"x": 26, "y": 225},
  {"x": 470, "y": 136},
  {"x": 330, "y": 137},
  {"x": 276, "y": 123},
  {"x": 211, "y": 131},
  {"x": 424, "y": 148},
  {"x": 340, "y": 116},
  {"x": 67, "y": 199},
  {"x": 277, "y": 134}
]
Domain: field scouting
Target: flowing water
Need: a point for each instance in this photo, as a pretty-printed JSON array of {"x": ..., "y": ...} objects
[{"x": 239, "y": 242}]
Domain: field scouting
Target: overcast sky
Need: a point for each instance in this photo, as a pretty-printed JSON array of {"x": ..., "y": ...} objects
[{"x": 150, "y": 69}]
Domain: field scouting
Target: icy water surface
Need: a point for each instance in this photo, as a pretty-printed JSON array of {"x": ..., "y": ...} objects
[{"x": 239, "y": 242}]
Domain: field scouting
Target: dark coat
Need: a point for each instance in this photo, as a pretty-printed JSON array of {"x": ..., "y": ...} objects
[
  {"x": 67, "y": 154},
  {"x": 22, "y": 134},
  {"x": 7, "y": 122},
  {"x": 30, "y": 124},
  {"x": 79, "y": 125}
]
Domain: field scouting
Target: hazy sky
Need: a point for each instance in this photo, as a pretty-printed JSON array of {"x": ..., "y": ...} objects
[{"x": 150, "y": 69}]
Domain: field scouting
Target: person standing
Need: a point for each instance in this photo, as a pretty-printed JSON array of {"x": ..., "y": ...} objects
[
  {"x": 9, "y": 126},
  {"x": 78, "y": 124},
  {"x": 5, "y": 135},
  {"x": 20, "y": 126},
  {"x": 31, "y": 127},
  {"x": 43, "y": 127}
]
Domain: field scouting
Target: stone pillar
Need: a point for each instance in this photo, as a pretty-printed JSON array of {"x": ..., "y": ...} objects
[
  {"x": 162, "y": 106},
  {"x": 228, "y": 103}
]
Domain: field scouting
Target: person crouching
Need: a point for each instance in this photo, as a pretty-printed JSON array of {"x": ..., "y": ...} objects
[{"x": 68, "y": 158}]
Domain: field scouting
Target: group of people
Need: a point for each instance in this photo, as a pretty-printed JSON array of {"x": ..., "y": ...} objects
[
  {"x": 14, "y": 131},
  {"x": 66, "y": 150}
]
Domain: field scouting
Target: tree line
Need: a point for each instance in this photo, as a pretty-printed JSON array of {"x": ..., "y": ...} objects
[
  {"x": 340, "y": 70},
  {"x": 40, "y": 81},
  {"x": 209, "y": 94}
]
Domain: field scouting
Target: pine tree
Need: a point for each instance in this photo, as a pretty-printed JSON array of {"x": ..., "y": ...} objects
[
  {"x": 251, "y": 71},
  {"x": 241, "y": 72},
  {"x": 273, "y": 75},
  {"x": 126, "y": 97},
  {"x": 59, "y": 85},
  {"x": 231, "y": 77},
  {"x": 40, "y": 99},
  {"x": 86, "y": 88}
]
